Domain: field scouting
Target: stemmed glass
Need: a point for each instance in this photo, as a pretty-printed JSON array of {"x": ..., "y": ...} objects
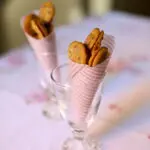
[
  {"x": 50, "y": 108},
  {"x": 62, "y": 91}
]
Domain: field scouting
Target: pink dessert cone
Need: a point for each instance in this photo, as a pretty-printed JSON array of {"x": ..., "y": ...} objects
[
  {"x": 85, "y": 81},
  {"x": 44, "y": 49}
]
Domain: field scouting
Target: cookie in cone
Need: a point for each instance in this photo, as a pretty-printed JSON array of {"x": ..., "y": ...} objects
[
  {"x": 88, "y": 63},
  {"x": 39, "y": 31}
]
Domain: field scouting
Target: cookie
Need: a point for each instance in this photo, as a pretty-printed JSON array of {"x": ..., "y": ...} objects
[
  {"x": 97, "y": 44},
  {"x": 92, "y": 38},
  {"x": 77, "y": 52},
  {"x": 27, "y": 25},
  {"x": 38, "y": 27},
  {"x": 101, "y": 56},
  {"x": 47, "y": 12},
  {"x": 96, "y": 48},
  {"x": 90, "y": 62}
]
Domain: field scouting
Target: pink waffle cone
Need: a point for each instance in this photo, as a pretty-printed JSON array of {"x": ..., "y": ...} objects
[
  {"x": 44, "y": 49},
  {"x": 84, "y": 83}
]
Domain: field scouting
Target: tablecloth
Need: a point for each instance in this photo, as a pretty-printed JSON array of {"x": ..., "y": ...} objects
[{"x": 22, "y": 125}]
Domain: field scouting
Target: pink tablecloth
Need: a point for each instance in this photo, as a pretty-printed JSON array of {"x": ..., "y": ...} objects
[{"x": 22, "y": 125}]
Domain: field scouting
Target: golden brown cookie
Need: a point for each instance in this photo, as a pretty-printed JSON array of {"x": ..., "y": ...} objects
[
  {"x": 47, "y": 12},
  {"x": 38, "y": 27},
  {"x": 97, "y": 44},
  {"x": 39, "y": 34},
  {"x": 77, "y": 52},
  {"x": 92, "y": 38},
  {"x": 101, "y": 56},
  {"x": 90, "y": 62},
  {"x": 96, "y": 48},
  {"x": 27, "y": 25}
]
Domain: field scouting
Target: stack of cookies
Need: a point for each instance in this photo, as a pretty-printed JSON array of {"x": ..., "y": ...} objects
[
  {"x": 40, "y": 26},
  {"x": 90, "y": 52}
]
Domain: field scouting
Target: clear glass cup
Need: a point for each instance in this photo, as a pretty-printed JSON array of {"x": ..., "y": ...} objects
[
  {"x": 62, "y": 91},
  {"x": 50, "y": 109}
]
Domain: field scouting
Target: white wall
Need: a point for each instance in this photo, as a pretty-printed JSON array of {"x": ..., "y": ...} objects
[{"x": 100, "y": 7}]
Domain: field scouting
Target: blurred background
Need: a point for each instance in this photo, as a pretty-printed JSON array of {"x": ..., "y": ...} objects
[{"x": 68, "y": 11}]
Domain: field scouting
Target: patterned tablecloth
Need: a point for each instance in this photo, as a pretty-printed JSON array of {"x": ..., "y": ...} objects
[{"x": 22, "y": 125}]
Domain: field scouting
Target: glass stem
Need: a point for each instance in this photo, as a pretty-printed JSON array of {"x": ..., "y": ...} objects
[
  {"x": 78, "y": 134},
  {"x": 87, "y": 143},
  {"x": 91, "y": 144}
]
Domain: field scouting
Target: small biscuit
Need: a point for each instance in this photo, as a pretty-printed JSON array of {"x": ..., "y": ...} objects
[
  {"x": 77, "y": 52},
  {"x": 96, "y": 48},
  {"x": 92, "y": 38},
  {"x": 38, "y": 27},
  {"x": 90, "y": 62},
  {"x": 47, "y": 12},
  {"x": 37, "y": 30},
  {"x": 97, "y": 44},
  {"x": 27, "y": 25},
  {"x": 101, "y": 56}
]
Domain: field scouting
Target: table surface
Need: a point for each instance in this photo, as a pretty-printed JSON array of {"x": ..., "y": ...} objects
[{"x": 22, "y": 125}]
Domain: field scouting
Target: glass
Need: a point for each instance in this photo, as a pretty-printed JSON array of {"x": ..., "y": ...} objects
[
  {"x": 50, "y": 109},
  {"x": 63, "y": 91}
]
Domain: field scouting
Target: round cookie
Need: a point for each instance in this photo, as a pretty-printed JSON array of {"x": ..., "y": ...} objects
[
  {"x": 27, "y": 25},
  {"x": 47, "y": 12},
  {"x": 92, "y": 38},
  {"x": 39, "y": 28},
  {"x": 77, "y": 52},
  {"x": 96, "y": 48},
  {"x": 97, "y": 44},
  {"x": 90, "y": 62},
  {"x": 101, "y": 56}
]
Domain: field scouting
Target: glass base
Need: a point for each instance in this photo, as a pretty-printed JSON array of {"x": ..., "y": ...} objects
[
  {"x": 72, "y": 144},
  {"x": 75, "y": 144},
  {"x": 92, "y": 145}
]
